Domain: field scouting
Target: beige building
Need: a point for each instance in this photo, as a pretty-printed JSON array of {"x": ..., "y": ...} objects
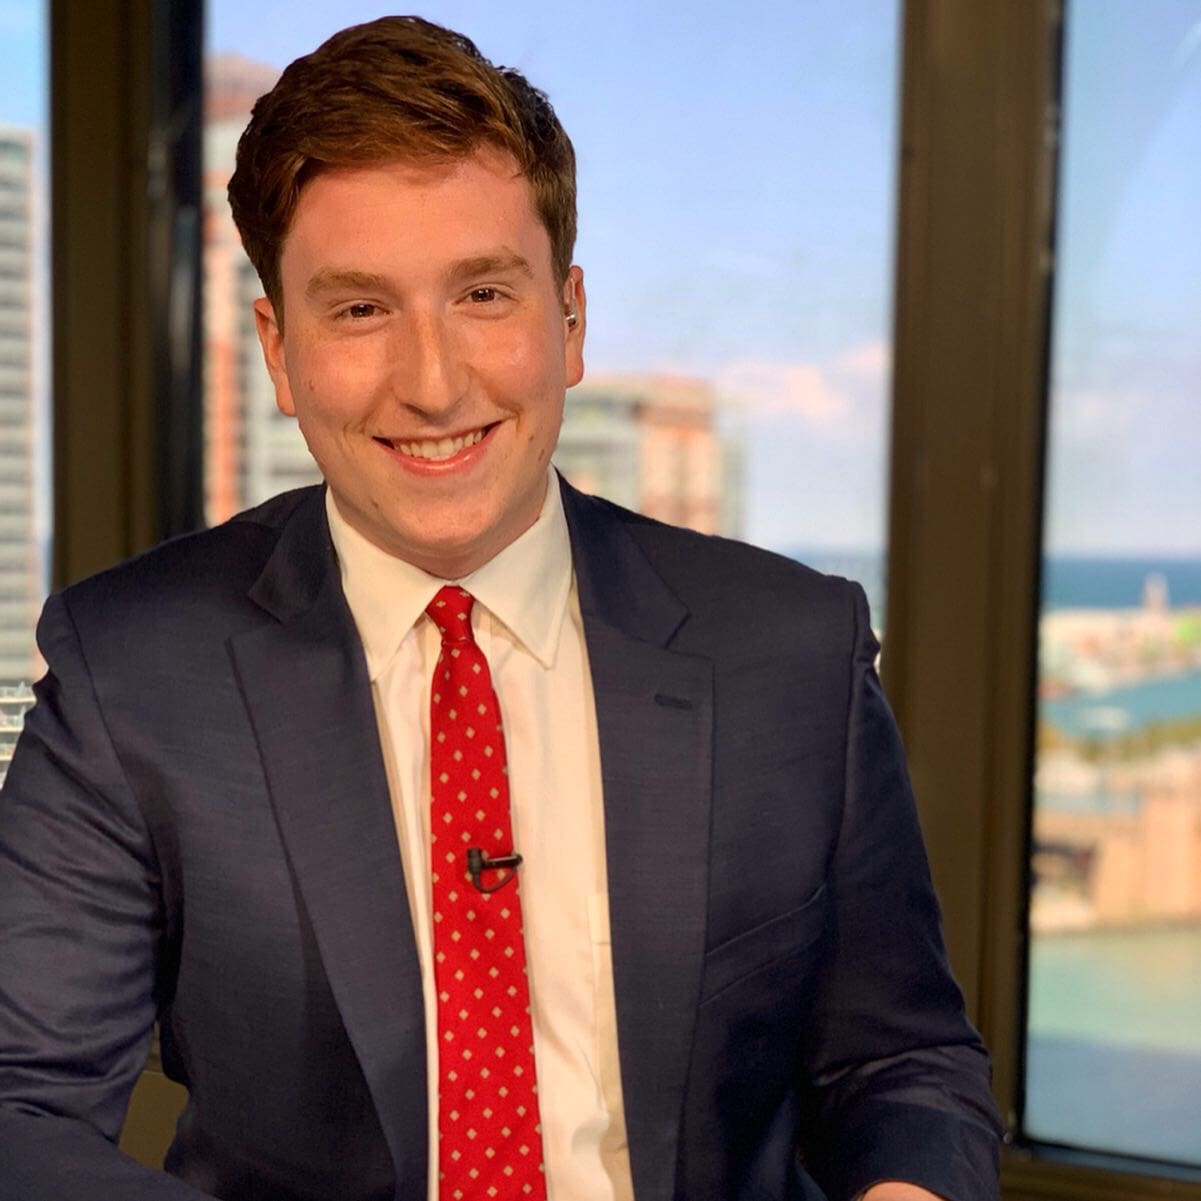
[
  {"x": 1137, "y": 861},
  {"x": 654, "y": 443},
  {"x": 251, "y": 450}
]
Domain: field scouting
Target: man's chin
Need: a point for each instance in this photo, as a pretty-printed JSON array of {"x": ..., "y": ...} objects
[
  {"x": 448, "y": 558},
  {"x": 445, "y": 537}
]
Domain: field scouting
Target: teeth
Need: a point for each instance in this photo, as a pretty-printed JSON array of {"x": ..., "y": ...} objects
[{"x": 443, "y": 448}]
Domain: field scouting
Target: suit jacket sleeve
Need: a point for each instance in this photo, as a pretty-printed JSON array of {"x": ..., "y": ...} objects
[
  {"x": 80, "y": 933},
  {"x": 895, "y": 1081}
]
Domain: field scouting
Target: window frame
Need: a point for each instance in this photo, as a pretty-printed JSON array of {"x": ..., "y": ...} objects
[{"x": 125, "y": 122}]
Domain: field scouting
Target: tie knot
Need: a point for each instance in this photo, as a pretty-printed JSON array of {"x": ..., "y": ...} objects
[{"x": 450, "y": 611}]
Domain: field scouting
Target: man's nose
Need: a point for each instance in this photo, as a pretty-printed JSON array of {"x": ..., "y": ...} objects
[{"x": 428, "y": 370}]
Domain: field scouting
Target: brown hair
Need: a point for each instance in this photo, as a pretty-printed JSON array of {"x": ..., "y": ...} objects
[{"x": 395, "y": 88}]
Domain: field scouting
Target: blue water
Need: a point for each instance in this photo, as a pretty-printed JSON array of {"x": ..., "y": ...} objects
[
  {"x": 1072, "y": 582},
  {"x": 1069, "y": 582},
  {"x": 1162, "y": 699}
]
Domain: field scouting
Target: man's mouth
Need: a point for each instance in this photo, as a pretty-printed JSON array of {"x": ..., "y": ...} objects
[{"x": 436, "y": 448}]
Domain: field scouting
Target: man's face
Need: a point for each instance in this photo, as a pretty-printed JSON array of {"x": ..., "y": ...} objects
[{"x": 425, "y": 352}]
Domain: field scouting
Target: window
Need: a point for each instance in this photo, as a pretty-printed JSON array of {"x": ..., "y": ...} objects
[{"x": 1113, "y": 1050}]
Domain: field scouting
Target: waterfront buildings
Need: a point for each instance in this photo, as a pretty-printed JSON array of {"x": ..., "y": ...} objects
[
  {"x": 1117, "y": 843},
  {"x": 1117, "y": 817},
  {"x": 1092, "y": 650}
]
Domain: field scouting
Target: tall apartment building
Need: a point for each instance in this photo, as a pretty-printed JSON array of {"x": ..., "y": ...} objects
[
  {"x": 654, "y": 443},
  {"x": 20, "y": 554},
  {"x": 251, "y": 450}
]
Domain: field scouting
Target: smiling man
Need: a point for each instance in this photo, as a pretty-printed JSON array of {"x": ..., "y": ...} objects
[{"x": 466, "y": 837}]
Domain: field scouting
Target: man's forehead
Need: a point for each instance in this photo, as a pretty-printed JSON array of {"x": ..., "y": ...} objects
[
  {"x": 455, "y": 217},
  {"x": 459, "y": 182}
]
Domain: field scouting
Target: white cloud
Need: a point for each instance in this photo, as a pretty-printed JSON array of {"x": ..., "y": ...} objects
[
  {"x": 762, "y": 388},
  {"x": 1085, "y": 414},
  {"x": 1122, "y": 468},
  {"x": 815, "y": 437},
  {"x": 1187, "y": 47},
  {"x": 836, "y": 395},
  {"x": 869, "y": 362}
]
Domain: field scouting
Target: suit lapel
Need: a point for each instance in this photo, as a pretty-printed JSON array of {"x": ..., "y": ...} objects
[
  {"x": 654, "y": 709},
  {"x": 305, "y": 684}
]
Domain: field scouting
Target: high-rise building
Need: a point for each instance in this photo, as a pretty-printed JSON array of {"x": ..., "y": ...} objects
[
  {"x": 654, "y": 443},
  {"x": 20, "y": 557},
  {"x": 251, "y": 450}
]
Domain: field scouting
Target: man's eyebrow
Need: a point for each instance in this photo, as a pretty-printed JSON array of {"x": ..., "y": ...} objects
[
  {"x": 333, "y": 279},
  {"x": 500, "y": 263},
  {"x": 330, "y": 279}
]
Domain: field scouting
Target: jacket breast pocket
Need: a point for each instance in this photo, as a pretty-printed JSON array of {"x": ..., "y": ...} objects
[{"x": 777, "y": 939}]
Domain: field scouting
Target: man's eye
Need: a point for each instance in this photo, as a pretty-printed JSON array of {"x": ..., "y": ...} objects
[
  {"x": 483, "y": 295},
  {"x": 360, "y": 311}
]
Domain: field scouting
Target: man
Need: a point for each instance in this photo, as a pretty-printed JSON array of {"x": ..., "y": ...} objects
[{"x": 466, "y": 836}]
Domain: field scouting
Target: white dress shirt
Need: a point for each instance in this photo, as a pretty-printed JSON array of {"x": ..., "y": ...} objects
[{"x": 527, "y": 622}]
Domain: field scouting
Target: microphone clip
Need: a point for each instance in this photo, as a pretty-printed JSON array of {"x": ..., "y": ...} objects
[{"x": 478, "y": 863}]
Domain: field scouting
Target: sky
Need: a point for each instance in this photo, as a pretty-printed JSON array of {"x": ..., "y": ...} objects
[
  {"x": 737, "y": 192},
  {"x": 1125, "y": 464},
  {"x": 23, "y": 62}
]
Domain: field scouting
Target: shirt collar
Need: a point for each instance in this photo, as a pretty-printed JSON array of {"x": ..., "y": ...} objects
[{"x": 525, "y": 586}]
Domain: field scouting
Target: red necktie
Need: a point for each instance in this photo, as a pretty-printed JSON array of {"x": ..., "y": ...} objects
[{"x": 489, "y": 1131}]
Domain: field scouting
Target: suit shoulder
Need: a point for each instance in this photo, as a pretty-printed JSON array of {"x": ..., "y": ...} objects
[
  {"x": 206, "y": 565},
  {"x": 708, "y": 570}
]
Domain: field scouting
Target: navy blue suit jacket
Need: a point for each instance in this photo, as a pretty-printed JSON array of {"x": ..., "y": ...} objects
[{"x": 196, "y": 829}]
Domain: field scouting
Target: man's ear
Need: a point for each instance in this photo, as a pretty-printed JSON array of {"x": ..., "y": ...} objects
[
  {"x": 271, "y": 339},
  {"x": 575, "y": 314}
]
